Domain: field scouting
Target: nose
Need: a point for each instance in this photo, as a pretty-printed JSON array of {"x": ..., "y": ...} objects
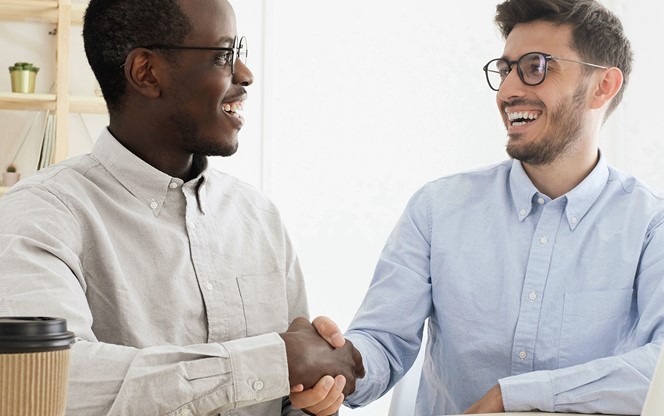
[
  {"x": 243, "y": 75},
  {"x": 512, "y": 86}
]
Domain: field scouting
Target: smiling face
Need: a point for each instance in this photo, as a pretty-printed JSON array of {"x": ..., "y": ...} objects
[
  {"x": 546, "y": 121},
  {"x": 204, "y": 99}
]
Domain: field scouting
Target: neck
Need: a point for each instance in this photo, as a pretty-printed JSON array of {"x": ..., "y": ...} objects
[
  {"x": 563, "y": 175},
  {"x": 152, "y": 148}
]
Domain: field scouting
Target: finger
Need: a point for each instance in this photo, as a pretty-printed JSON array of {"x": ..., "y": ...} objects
[
  {"x": 314, "y": 395},
  {"x": 332, "y": 409},
  {"x": 299, "y": 323},
  {"x": 329, "y": 330},
  {"x": 297, "y": 388},
  {"x": 332, "y": 402}
]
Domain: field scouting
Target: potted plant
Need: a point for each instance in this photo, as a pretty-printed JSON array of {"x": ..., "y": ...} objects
[
  {"x": 23, "y": 76},
  {"x": 11, "y": 176}
]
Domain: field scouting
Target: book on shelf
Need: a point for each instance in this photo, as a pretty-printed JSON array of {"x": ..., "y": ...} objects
[{"x": 47, "y": 154}]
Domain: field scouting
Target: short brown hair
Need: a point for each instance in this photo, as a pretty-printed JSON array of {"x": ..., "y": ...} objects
[{"x": 597, "y": 34}]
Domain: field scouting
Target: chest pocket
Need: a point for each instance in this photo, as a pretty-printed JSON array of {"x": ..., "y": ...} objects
[
  {"x": 264, "y": 303},
  {"x": 594, "y": 323}
]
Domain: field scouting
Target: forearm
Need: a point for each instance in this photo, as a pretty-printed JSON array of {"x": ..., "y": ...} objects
[
  {"x": 206, "y": 379},
  {"x": 376, "y": 382},
  {"x": 614, "y": 385}
]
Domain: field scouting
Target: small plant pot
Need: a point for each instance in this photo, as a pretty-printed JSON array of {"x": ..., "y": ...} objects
[
  {"x": 10, "y": 178},
  {"x": 23, "y": 80}
]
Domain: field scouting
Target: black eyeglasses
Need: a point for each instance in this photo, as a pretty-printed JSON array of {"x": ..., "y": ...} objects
[
  {"x": 531, "y": 67},
  {"x": 226, "y": 57}
]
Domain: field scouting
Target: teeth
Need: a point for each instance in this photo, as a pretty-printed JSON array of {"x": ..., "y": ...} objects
[
  {"x": 522, "y": 115},
  {"x": 233, "y": 107}
]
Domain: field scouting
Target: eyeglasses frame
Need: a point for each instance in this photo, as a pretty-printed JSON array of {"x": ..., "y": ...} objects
[
  {"x": 547, "y": 58},
  {"x": 236, "y": 50}
]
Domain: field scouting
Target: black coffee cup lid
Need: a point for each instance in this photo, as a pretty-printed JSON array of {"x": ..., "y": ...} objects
[{"x": 33, "y": 333}]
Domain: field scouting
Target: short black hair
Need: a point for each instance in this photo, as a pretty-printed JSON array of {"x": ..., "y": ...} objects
[
  {"x": 597, "y": 34},
  {"x": 112, "y": 28}
]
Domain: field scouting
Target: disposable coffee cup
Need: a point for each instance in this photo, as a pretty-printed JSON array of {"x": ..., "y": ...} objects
[{"x": 34, "y": 366}]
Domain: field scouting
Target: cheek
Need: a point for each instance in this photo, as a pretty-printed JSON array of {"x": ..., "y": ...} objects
[{"x": 206, "y": 83}]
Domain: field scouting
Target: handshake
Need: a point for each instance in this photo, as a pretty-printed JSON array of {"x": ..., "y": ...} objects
[{"x": 317, "y": 352}]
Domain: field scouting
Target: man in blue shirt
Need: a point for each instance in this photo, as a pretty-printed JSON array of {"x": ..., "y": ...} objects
[{"x": 539, "y": 278}]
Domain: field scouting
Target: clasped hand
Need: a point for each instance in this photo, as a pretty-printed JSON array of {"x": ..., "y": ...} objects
[{"x": 316, "y": 354}]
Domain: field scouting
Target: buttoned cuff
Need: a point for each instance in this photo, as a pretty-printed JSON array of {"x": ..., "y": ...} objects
[
  {"x": 529, "y": 391},
  {"x": 259, "y": 368}
]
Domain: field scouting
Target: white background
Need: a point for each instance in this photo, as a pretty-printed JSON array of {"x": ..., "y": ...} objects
[{"x": 355, "y": 105}]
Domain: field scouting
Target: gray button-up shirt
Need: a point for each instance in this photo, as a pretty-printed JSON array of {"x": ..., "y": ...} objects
[{"x": 175, "y": 291}]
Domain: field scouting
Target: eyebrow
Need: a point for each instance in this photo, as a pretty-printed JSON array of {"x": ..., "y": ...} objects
[{"x": 225, "y": 40}]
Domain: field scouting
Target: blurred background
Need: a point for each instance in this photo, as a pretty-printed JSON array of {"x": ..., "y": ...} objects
[{"x": 355, "y": 105}]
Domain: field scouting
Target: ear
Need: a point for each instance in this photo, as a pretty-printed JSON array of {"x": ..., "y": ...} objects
[
  {"x": 142, "y": 72},
  {"x": 607, "y": 87}
]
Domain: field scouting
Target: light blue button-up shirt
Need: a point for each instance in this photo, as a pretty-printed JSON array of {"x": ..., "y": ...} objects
[{"x": 560, "y": 301}]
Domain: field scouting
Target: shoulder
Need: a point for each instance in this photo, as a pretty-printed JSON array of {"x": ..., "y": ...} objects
[
  {"x": 227, "y": 189},
  {"x": 59, "y": 180},
  {"x": 631, "y": 185},
  {"x": 636, "y": 196},
  {"x": 469, "y": 182}
]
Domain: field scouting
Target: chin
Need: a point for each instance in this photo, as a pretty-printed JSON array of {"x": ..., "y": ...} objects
[{"x": 226, "y": 146}]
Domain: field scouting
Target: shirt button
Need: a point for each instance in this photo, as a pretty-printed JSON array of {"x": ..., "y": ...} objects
[
  {"x": 522, "y": 212},
  {"x": 532, "y": 296},
  {"x": 209, "y": 286},
  {"x": 173, "y": 185},
  {"x": 523, "y": 355},
  {"x": 153, "y": 205},
  {"x": 543, "y": 240},
  {"x": 258, "y": 385},
  {"x": 540, "y": 201},
  {"x": 574, "y": 220}
]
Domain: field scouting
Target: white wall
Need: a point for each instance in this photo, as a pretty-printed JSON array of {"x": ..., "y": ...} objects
[
  {"x": 366, "y": 101},
  {"x": 357, "y": 103}
]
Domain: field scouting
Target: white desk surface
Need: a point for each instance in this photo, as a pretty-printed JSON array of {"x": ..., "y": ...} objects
[{"x": 531, "y": 414}]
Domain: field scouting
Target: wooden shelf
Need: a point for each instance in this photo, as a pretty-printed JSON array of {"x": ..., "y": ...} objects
[
  {"x": 39, "y": 10},
  {"x": 19, "y": 101},
  {"x": 77, "y": 12},
  {"x": 29, "y": 10},
  {"x": 64, "y": 14},
  {"x": 90, "y": 105},
  {"x": 77, "y": 103}
]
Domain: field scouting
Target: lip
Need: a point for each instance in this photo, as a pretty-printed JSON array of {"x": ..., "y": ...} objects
[
  {"x": 520, "y": 128},
  {"x": 236, "y": 119}
]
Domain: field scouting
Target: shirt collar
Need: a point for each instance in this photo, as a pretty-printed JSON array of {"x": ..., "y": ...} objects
[
  {"x": 141, "y": 179},
  {"x": 578, "y": 200},
  {"x": 584, "y": 195},
  {"x": 523, "y": 190}
]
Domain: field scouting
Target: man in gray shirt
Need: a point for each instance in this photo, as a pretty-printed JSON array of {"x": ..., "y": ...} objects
[{"x": 180, "y": 282}]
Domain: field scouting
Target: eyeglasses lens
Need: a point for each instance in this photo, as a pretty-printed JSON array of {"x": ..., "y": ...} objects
[
  {"x": 241, "y": 51},
  {"x": 532, "y": 68},
  {"x": 496, "y": 72}
]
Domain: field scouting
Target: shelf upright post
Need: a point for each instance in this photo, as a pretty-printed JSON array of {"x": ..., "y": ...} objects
[{"x": 62, "y": 80}]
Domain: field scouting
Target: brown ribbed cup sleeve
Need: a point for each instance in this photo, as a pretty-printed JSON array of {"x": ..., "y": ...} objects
[{"x": 34, "y": 384}]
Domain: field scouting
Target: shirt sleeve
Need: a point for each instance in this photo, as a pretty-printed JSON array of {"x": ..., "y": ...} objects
[
  {"x": 388, "y": 333},
  {"x": 42, "y": 276},
  {"x": 167, "y": 380},
  {"x": 615, "y": 384}
]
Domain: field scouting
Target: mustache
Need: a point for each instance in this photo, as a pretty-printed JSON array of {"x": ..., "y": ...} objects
[{"x": 523, "y": 102}]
